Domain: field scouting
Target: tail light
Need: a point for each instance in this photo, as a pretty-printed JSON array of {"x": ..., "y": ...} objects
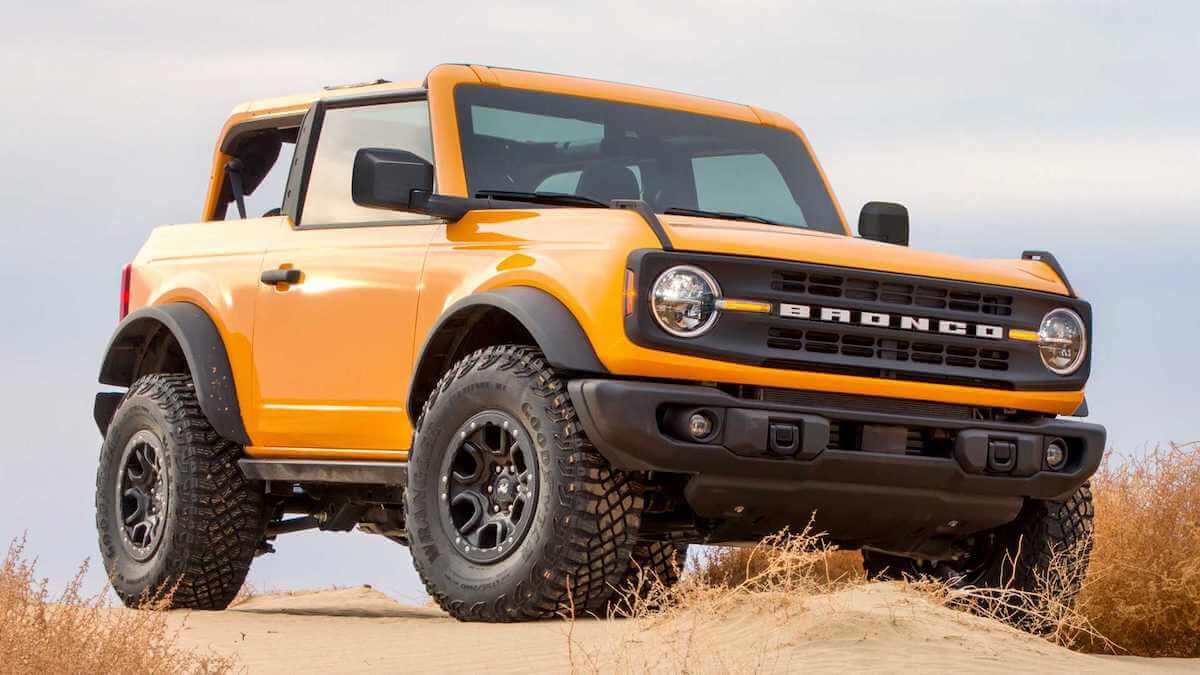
[{"x": 126, "y": 271}]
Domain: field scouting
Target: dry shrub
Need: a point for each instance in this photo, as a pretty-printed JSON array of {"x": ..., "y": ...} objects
[
  {"x": 78, "y": 634},
  {"x": 729, "y": 566},
  {"x": 1143, "y": 591},
  {"x": 1051, "y": 611},
  {"x": 774, "y": 584},
  {"x": 1141, "y": 594},
  {"x": 1048, "y": 612},
  {"x": 776, "y": 577},
  {"x": 245, "y": 594}
]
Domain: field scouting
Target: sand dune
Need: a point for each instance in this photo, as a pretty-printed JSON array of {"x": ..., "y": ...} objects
[{"x": 878, "y": 627}]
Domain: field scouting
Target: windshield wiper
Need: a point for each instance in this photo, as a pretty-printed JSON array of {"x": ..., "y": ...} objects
[
  {"x": 727, "y": 215},
  {"x": 554, "y": 198}
]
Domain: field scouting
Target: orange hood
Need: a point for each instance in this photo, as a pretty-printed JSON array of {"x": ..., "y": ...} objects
[{"x": 710, "y": 235}]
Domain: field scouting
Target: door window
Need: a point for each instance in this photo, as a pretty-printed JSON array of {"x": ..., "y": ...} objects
[{"x": 400, "y": 126}]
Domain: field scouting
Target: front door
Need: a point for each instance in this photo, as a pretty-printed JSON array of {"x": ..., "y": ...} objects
[{"x": 333, "y": 341}]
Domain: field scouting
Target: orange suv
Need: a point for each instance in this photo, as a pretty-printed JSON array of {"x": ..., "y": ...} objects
[{"x": 547, "y": 331}]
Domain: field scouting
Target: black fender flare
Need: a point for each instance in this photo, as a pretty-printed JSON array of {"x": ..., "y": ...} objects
[
  {"x": 202, "y": 347},
  {"x": 553, "y": 327}
]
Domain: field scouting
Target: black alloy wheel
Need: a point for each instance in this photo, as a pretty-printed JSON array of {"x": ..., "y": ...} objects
[
  {"x": 142, "y": 495},
  {"x": 489, "y": 487}
]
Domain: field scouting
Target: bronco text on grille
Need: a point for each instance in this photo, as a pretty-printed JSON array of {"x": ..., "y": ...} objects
[{"x": 867, "y": 323}]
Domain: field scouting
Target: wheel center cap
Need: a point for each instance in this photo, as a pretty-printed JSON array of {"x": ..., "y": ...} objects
[{"x": 504, "y": 490}]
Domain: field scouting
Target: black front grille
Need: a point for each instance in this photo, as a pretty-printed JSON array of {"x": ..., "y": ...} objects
[
  {"x": 926, "y": 351},
  {"x": 887, "y": 373},
  {"x": 863, "y": 323},
  {"x": 925, "y": 295}
]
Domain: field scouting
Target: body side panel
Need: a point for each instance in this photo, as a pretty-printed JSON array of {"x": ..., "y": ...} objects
[
  {"x": 214, "y": 266},
  {"x": 333, "y": 353}
]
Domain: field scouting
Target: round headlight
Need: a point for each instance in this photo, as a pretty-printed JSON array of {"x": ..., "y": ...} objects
[
  {"x": 1062, "y": 341},
  {"x": 684, "y": 301}
]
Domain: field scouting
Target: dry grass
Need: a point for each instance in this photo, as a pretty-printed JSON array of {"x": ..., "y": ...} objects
[
  {"x": 775, "y": 583},
  {"x": 245, "y": 594},
  {"x": 774, "y": 578},
  {"x": 78, "y": 634},
  {"x": 1141, "y": 595},
  {"x": 729, "y": 566},
  {"x": 1143, "y": 590}
]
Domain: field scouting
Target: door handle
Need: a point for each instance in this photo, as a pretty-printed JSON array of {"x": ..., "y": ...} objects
[{"x": 281, "y": 276}]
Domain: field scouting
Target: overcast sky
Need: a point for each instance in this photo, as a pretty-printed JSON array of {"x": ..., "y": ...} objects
[{"x": 1003, "y": 126}]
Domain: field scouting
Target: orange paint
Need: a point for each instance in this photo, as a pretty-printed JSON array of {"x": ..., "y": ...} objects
[{"x": 322, "y": 367}]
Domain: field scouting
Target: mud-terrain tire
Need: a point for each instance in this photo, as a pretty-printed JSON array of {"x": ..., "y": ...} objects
[
  {"x": 653, "y": 564},
  {"x": 652, "y": 561},
  {"x": 583, "y": 516},
  {"x": 1044, "y": 551},
  {"x": 208, "y": 519}
]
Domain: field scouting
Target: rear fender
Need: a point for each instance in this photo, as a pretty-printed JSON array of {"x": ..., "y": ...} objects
[{"x": 202, "y": 347}]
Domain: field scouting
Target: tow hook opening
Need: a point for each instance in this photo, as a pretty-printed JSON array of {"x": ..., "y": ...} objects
[{"x": 1002, "y": 454}]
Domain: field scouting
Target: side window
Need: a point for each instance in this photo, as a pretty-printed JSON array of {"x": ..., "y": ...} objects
[
  {"x": 745, "y": 184},
  {"x": 400, "y": 126}
]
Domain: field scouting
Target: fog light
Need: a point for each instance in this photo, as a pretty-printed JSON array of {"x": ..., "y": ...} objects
[
  {"x": 1056, "y": 454},
  {"x": 700, "y": 426}
]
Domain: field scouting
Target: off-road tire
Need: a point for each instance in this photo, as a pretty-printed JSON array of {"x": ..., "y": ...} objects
[
  {"x": 659, "y": 560},
  {"x": 653, "y": 564},
  {"x": 1044, "y": 551},
  {"x": 215, "y": 518},
  {"x": 577, "y": 548}
]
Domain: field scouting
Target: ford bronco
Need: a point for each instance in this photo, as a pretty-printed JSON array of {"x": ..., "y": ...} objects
[{"x": 548, "y": 331}]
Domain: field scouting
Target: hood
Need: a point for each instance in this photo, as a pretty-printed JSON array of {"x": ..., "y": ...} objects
[{"x": 711, "y": 235}]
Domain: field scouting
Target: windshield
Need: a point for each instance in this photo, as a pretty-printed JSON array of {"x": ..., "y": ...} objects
[{"x": 518, "y": 141}]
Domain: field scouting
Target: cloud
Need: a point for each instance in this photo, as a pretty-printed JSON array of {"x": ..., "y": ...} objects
[{"x": 1094, "y": 184}]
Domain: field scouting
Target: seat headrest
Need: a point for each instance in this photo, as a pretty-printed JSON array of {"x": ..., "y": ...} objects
[{"x": 607, "y": 182}]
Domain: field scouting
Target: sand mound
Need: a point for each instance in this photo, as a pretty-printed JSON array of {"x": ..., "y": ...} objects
[{"x": 877, "y": 627}]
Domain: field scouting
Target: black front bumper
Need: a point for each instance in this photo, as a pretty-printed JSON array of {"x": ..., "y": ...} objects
[{"x": 888, "y": 497}]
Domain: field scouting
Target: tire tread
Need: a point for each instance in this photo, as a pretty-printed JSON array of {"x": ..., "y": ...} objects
[
  {"x": 601, "y": 507},
  {"x": 219, "y": 514}
]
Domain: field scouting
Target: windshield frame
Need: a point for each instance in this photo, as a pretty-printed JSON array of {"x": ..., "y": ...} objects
[{"x": 443, "y": 82}]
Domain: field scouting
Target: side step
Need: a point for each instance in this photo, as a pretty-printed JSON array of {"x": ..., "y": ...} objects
[{"x": 318, "y": 471}]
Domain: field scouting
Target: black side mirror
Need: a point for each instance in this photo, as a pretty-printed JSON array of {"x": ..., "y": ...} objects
[
  {"x": 385, "y": 178},
  {"x": 884, "y": 221}
]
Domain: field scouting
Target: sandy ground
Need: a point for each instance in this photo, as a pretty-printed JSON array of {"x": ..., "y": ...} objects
[{"x": 879, "y": 627}]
